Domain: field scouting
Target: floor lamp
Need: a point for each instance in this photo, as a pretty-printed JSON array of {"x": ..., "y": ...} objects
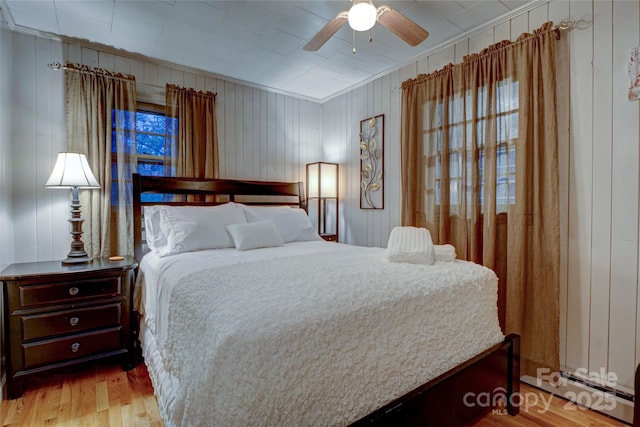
[
  {"x": 72, "y": 171},
  {"x": 322, "y": 193}
]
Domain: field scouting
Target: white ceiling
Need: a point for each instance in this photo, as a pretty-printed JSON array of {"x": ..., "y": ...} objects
[{"x": 257, "y": 42}]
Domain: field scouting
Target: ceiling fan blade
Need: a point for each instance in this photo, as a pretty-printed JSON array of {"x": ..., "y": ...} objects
[
  {"x": 326, "y": 32},
  {"x": 401, "y": 26}
]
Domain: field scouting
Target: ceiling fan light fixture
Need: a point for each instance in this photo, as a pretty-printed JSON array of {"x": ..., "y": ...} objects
[{"x": 362, "y": 16}]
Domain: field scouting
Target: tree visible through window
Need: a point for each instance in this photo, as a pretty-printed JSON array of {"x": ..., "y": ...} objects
[{"x": 153, "y": 132}]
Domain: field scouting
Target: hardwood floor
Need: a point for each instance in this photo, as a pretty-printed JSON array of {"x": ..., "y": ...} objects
[
  {"x": 101, "y": 395},
  {"x": 104, "y": 395}
]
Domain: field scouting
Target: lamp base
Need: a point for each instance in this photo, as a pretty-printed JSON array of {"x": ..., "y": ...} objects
[
  {"x": 73, "y": 260},
  {"x": 77, "y": 254}
]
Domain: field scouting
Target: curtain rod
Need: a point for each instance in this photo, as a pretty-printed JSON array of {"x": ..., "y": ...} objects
[
  {"x": 58, "y": 66},
  {"x": 85, "y": 69},
  {"x": 564, "y": 25}
]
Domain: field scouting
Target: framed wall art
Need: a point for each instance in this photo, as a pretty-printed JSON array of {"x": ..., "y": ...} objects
[{"x": 372, "y": 163}]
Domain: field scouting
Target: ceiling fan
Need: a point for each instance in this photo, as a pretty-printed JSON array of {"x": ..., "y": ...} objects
[{"x": 362, "y": 16}]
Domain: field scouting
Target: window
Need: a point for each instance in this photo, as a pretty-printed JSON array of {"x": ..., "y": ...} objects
[
  {"x": 154, "y": 133},
  {"x": 458, "y": 126}
]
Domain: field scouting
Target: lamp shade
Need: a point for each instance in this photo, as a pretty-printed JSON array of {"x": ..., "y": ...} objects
[
  {"x": 362, "y": 16},
  {"x": 328, "y": 180},
  {"x": 322, "y": 180},
  {"x": 313, "y": 180},
  {"x": 72, "y": 170}
]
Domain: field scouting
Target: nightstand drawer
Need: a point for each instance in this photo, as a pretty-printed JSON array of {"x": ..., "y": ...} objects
[
  {"x": 70, "y": 321},
  {"x": 51, "y": 351},
  {"x": 64, "y": 292},
  {"x": 57, "y": 316}
]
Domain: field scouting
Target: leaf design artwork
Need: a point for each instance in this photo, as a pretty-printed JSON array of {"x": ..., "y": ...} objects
[{"x": 371, "y": 161}]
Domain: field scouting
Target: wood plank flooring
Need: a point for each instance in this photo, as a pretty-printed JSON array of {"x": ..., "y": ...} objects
[
  {"x": 104, "y": 395},
  {"x": 100, "y": 395}
]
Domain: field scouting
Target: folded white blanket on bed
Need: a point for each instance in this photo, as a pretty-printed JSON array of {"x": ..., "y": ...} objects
[
  {"x": 410, "y": 244},
  {"x": 444, "y": 252}
]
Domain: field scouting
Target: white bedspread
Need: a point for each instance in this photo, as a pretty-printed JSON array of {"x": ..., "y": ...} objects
[{"x": 320, "y": 338}]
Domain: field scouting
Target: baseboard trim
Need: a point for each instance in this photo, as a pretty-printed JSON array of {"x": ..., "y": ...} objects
[{"x": 618, "y": 405}]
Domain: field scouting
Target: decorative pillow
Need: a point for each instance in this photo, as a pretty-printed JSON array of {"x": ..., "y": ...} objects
[
  {"x": 293, "y": 224},
  {"x": 253, "y": 235},
  {"x": 154, "y": 236},
  {"x": 191, "y": 228}
]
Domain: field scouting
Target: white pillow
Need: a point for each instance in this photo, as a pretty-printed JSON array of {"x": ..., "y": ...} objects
[
  {"x": 191, "y": 228},
  {"x": 253, "y": 235},
  {"x": 154, "y": 236},
  {"x": 293, "y": 224}
]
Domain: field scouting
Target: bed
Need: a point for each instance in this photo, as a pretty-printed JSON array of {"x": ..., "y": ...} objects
[{"x": 293, "y": 330}]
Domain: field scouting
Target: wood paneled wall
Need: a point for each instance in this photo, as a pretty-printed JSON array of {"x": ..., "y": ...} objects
[
  {"x": 38, "y": 133},
  {"x": 599, "y": 171},
  {"x": 262, "y": 135},
  {"x": 341, "y": 119}
]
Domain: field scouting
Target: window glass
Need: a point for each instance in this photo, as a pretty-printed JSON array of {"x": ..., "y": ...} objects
[
  {"x": 496, "y": 117},
  {"x": 143, "y": 135}
]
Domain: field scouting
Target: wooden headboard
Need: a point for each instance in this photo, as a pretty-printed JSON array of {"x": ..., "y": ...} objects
[{"x": 267, "y": 192}]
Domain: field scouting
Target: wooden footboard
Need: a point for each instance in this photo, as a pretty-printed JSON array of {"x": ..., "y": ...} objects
[{"x": 462, "y": 395}]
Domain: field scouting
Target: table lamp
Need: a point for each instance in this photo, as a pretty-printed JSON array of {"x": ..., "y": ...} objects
[{"x": 72, "y": 171}]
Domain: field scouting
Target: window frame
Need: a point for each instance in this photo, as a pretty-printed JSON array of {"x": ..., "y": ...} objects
[
  {"x": 135, "y": 158},
  {"x": 145, "y": 107},
  {"x": 506, "y": 112}
]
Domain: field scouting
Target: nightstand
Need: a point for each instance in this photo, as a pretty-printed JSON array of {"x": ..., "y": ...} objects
[
  {"x": 59, "y": 316},
  {"x": 329, "y": 237}
]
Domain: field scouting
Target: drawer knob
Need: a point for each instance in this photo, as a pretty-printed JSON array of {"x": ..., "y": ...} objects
[
  {"x": 75, "y": 347},
  {"x": 74, "y": 321},
  {"x": 73, "y": 291}
]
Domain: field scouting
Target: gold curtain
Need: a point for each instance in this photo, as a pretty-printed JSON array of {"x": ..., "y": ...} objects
[
  {"x": 195, "y": 152},
  {"x": 479, "y": 155},
  {"x": 101, "y": 114}
]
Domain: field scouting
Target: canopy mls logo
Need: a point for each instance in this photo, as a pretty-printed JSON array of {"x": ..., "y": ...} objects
[
  {"x": 498, "y": 399},
  {"x": 597, "y": 399}
]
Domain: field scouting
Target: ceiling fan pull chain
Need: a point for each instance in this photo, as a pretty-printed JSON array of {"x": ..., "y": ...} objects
[
  {"x": 370, "y": 36},
  {"x": 353, "y": 42}
]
